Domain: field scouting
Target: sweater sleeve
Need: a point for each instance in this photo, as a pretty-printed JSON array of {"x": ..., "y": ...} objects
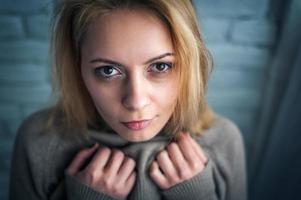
[
  {"x": 23, "y": 173},
  {"x": 224, "y": 177},
  {"x": 30, "y": 180},
  {"x": 80, "y": 191},
  {"x": 37, "y": 167},
  {"x": 201, "y": 186}
]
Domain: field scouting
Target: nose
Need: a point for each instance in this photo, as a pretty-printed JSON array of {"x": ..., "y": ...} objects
[{"x": 136, "y": 95}]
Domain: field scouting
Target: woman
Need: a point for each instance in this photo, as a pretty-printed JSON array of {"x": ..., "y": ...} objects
[{"x": 131, "y": 121}]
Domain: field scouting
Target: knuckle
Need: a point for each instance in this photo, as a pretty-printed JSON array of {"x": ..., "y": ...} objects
[
  {"x": 69, "y": 171},
  {"x": 195, "y": 165},
  {"x": 82, "y": 152},
  {"x": 115, "y": 189},
  {"x": 174, "y": 180},
  {"x": 91, "y": 177},
  {"x": 119, "y": 190},
  {"x": 184, "y": 174},
  {"x": 102, "y": 153},
  {"x": 153, "y": 172},
  {"x": 171, "y": 146},
  {"x": 120, "y": 193},
  {"x": 106, "y": 150},
  {"x": 161, "y": 155},
  {"x": 107, "y": 184},
  {"x": 130, "y": 161},
  {"x": 118, "y": 154},
  {"x": 166, "y": 185}
]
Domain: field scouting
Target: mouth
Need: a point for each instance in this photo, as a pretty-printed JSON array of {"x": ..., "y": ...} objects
[{"x": 137, "y": 125}]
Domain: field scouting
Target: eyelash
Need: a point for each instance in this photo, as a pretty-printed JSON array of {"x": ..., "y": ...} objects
[
  {"x": 168, "y": 64},
  {"x": 99, "y": 71}
]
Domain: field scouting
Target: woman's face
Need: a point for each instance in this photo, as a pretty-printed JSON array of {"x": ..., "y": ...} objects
[{"x": 127, "y": 66}]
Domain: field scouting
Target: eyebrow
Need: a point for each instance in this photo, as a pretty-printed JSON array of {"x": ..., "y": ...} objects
[{"x": 104, "y": 60}]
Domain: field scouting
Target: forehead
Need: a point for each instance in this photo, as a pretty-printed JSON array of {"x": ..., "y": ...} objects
[{"x": 125, "y": 33}]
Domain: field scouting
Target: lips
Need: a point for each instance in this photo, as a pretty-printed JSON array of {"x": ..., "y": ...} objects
[{"x": 137, "y": 125}]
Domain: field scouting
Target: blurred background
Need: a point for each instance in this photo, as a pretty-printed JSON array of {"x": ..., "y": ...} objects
[{"x": 256, "y": 81}]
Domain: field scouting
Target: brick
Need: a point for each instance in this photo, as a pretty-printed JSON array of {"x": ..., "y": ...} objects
[
  {"x": 250, "y": 79},
  {"x": 214, "y": 30},
  {"x": 50, "y": 7},
  {"x": 28, "y": 50},
  {"x": 254, "y": 32},
  {"x": 28, "y": 109},
  {"x": 233, "y": 98},
  {"x": 9, "y": 128},
  {"x": 239, "y": 56},
  {"x": 3, "y": 129},
  {"x": 6, "y": 144},
  {"x": 12, "y": 126},
  {"x": 243, "y": 118},
  {"x": 11, "y": 27},
  {"x": 38, "y": 26},
  {"x": 231, "y": 8},
  {"x": 29, "y": 93},
  {"x": 6, "y": 147},
  {"x": 18, "y": 73},
  {"x": 24, "y": 7},
  {"x": 9, "y": 111}
]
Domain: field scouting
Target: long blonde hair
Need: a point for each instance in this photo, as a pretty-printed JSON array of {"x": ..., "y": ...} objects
[{"x": 70, "y": 22}]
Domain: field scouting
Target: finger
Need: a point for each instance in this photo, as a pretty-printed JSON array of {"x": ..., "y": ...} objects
[
  {"x": 126, "y": 169},
  {"x": 114, "y": 163},
  {"x": 187, "y": 150},
  {"x": 198, "y": 149},
  {"x": 100, "y": 159},
  {"x": 167, "y": 166},
  {"x": 177, "y": 157},
  {"x": 158, "y": 176},
  {"x": 80, "y": 159},
  {"x": 130, "y": 181}
]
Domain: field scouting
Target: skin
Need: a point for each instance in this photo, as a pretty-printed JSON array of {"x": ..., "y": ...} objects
[
  {"x": 127, "y": 67},
  {"x": 134, "y": 89},
  {"x": 179, "y": 162}
]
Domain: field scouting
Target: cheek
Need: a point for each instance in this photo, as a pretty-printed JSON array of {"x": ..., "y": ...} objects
[
  {"x": 166, "y": 94},
  {"x": 104, "y": 97}
]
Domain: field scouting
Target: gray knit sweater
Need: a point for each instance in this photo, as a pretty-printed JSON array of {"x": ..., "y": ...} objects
[{"x": 41, "y": 157}]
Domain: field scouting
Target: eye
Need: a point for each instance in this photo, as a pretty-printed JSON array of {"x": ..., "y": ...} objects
[
  {"x": 107, "y": 71},
  {"x": 160, "y": 67}
]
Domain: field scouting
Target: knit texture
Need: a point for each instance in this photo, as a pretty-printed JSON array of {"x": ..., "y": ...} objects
[{"x": 41, "y": 157}]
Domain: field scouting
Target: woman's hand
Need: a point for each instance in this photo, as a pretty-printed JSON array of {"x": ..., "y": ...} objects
[
  {"x": 109, "y": 171},
  {"x": 180, "y": 161}
]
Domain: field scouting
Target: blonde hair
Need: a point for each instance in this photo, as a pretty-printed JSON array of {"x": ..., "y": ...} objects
[{"x": 70, "y": 22}]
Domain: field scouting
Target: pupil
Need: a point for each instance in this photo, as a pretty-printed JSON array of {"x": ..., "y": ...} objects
[
  {"x": 160, "y": 67},
  {"x": 108, "y": 70}
]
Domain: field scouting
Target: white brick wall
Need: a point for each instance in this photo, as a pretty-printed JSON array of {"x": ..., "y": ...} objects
[
  {"x": 24, "y": 71},
  {"x": 240, "y": 36}
]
